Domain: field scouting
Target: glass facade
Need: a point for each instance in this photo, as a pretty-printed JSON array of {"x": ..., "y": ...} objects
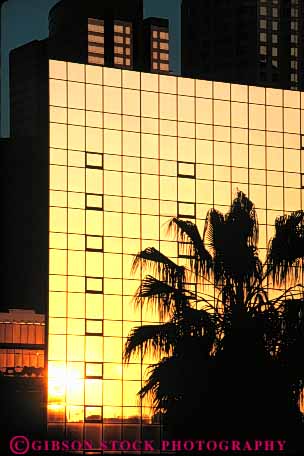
[{"x": 129, "y": 151}]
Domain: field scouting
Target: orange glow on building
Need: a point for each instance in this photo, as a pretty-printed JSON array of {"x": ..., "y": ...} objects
[{"x": 128, "y": 151}]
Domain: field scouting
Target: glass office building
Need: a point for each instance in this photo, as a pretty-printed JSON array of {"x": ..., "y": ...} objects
[{"x": 129, "y": 151}]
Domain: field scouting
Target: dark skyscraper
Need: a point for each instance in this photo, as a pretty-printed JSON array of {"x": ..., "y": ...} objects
[
  {"x": 105, "y": 33},
  {"x": 109, "y": 33},
  {"x": 244, "y": 41}
]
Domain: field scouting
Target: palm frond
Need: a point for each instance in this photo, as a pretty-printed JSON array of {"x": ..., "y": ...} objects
[
  {"x": 160, "y": 265},
  {"x": 286, "y": 248},
  {"x": 160, "y": 296},
  {"x": 188, "y": 234},
  {"x": 150, "y": 339},
  {"x": 214, "y": 230}
]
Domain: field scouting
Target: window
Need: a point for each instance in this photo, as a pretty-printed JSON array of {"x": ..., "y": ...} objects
[
  {"x": 263, "y": 23},
  {"x": 294, "y": 77},
  {"x": 263, "y": 11},
  {"x": 94, "y": 201},
  {"x": 94, "y": 370},
  {"x": 185, "y": 250},
  {"x": 263, "y": 37},
  {"x": 294, "y": 52},
  {"x": 94, "y": 160},
  {"x": 95, "y": 41},
  {"x": 94, "y": 243},
  {"x": 164, "y": 35},
  {"x": 159, "y": 50},
  {"x": 294, "y": 64},
  {"x": 94, "y": 327},
  {"x": 294, "y": 26},
  {"x": 185, "y": 169},
  {"x": 263, "y": 50},
  {"x": 294, "y": 38},
  {"x": 274, "y": 25},
  {"x": 14, "y": 361},
  {"x": 186, "y": 210},
  {"x": 164, "y": 46},
  {"x": 275, "y": 12},
  {"x": 123, "y": 45},
  {"x": 94, "y": 285},
  {"x": 294, "y": 12},
  {"x": 93, "y": 414}
]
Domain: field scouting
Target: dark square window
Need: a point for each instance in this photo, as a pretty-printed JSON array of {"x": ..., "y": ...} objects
[
  {"x": 94, "y": 201},
  {"x": 94, "y": 285},
  {"x": 186, "y": 210},
  {"x": 94, "y": 327},
  {"x": 186, "y": 169}
]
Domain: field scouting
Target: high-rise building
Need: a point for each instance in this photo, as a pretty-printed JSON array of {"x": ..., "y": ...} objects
[
  {"x": 111, "y": 33},
  {"x": 123, "y": 152},
  {"x": 107, "y": 33},
  {"x": 128, "y": 151},
  {"x": 255, "y": 42}
]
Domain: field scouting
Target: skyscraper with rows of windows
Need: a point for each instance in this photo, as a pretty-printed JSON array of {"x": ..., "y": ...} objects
[
  {"x": 122, "y": 152},
  {"x": 256, "y": 42},
  {"x": 129, "y": 151}
]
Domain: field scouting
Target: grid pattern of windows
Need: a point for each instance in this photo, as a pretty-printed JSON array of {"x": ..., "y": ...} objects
[
  {"x": 123, "y": 44},
  {"x": 96, "y": 41},
  {"x": 159, "y": 50},
  {"x": 164, "y": 146},
  {"x": 275, "y": 32},
  {"x": 294, "y": 43},
  {"x": 269, "y": 39}
]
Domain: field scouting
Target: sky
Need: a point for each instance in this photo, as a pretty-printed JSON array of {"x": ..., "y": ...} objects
[{"x": 23, "y": 21}]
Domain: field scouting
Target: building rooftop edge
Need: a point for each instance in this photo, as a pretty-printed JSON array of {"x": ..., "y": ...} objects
[{"x": 179, "y": 76}]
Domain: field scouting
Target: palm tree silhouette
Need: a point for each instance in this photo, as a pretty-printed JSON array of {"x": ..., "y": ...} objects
[
  {"x": 225, "y": 352},
  {"x": 286, "y": 266},
  {"x": 184, "y": 334},
  {"x": 286, "y": 249}
]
